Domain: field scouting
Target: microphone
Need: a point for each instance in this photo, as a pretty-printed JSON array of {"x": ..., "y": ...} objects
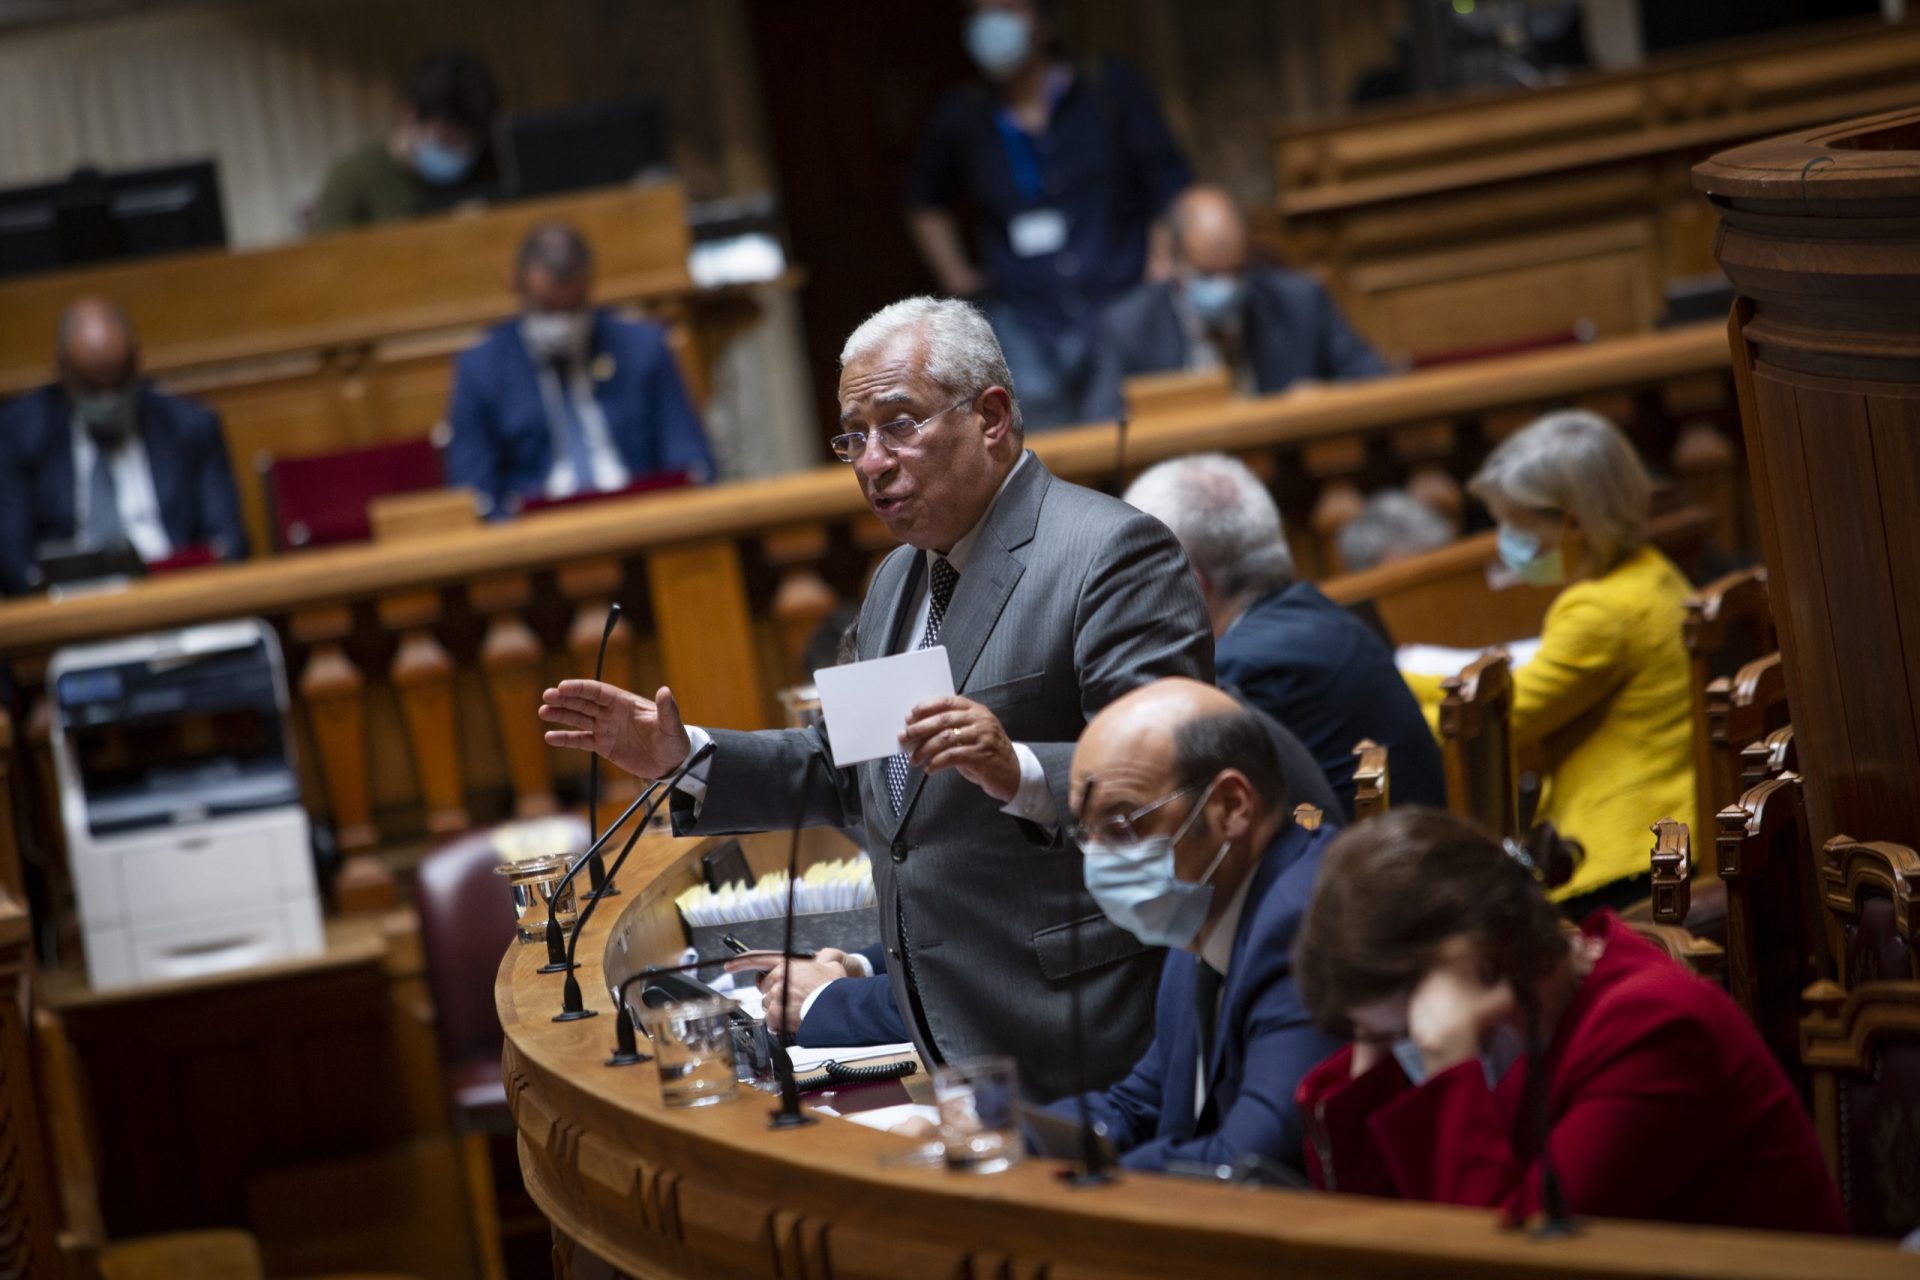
[
  {"x": 1094, "y": 1169},
  {"x": 596, "y": 870},
  {"x": 1120, "y": 457},
  {"x": 626, "y": 1047},
  {"x": 789, "y": 1115},
  {"x": 556, "y": 937},
  {"x": 572, "y": 1003}
]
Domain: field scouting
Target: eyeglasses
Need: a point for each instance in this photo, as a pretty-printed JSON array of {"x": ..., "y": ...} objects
[
  {"x": 1120, "y": 829},
  {"x": 897, "y": 434}
]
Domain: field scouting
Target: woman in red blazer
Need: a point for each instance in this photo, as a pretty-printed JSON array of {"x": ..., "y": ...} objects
[{"x": 1436, "y": 951}]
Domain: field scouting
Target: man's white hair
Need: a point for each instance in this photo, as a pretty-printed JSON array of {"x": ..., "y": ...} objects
[
  {"x": 1224, "y": 518},
  {"x": 962, "y": 354}
]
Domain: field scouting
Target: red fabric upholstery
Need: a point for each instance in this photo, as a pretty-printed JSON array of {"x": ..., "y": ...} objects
[
  {"x": 645, "y": 484},
  {"x": 1487, "y": 351},
  {"x": 466, "y": 923},
  {"x": 322, "y": 499}
]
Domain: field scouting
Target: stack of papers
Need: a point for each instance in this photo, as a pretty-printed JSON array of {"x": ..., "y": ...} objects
[
  {"x": 1439, "y": 660},
  {"x": 845, "y": 885}
]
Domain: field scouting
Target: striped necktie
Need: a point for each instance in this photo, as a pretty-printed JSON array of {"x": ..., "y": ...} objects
[{"x": 945, "y": 578}]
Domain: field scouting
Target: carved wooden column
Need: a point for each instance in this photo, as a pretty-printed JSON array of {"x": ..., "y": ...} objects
[
  {"x": 335, "y": 695},
  {"x": 592, "y": 585},
  {"x": 422, "y": 677},
  {"x": 1820, "y": 234},
  {"x": 514, "y": 667}
]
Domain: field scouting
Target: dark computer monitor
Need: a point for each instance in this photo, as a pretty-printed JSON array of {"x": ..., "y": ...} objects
[
  {"x": 100, "y": 217},
  {"x": 598, "y": 145}
]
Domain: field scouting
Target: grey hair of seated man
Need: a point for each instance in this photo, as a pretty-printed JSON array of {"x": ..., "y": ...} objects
[
  {"x": 1226, "y": 522},
  {"x": 962, "y": 354},
  {"x": 1393, "y": 524}
]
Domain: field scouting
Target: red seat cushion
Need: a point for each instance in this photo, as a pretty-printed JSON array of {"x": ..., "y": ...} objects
[{"x": 322, "y": 499}]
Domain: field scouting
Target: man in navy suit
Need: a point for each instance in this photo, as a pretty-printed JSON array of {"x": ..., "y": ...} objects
[
  {"x": 100, "y": 458},
  {"x": 1281, "y": 644},
  {"x": 1270, "y": 328},
  {"x": 565, "y": 399},
  {"x": 1190, "y": 844}
]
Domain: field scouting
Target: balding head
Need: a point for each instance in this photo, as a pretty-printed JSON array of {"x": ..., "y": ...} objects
[
  {"x": 1209, "y": 234},
  {"x": 96, "y": 348}
]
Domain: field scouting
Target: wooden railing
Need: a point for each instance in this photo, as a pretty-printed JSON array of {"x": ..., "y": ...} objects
[
  {"x": 1494, "y": 218},
  {"x": 417, "y": 664}
]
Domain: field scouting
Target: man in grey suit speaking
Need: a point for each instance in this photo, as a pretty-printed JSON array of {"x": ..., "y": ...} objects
[{"x": 1052, "y": 600}]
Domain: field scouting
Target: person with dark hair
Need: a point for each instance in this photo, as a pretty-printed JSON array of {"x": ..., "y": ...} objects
[
  {"x": 1068, "y": 166},
  {"x": 567, "y": 399},
  {"x": 100, "y": 458},
  {"x": 1190, "y": 844},
  {"x": 1500, "y": 1059},
  {"x": 438, "y": 154}
]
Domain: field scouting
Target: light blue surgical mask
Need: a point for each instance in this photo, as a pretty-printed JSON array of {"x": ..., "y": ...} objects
[
  {"x": 1214, "y": 297},
  {"x": 1138, "y": 889},
  {"x": 999, "y": 42},
  {"x": 1520, "y": 552},
  {"x": 440, "y": 164}
]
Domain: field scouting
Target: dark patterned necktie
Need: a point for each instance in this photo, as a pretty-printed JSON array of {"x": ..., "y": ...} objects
[{"x": 945, "y": 578}]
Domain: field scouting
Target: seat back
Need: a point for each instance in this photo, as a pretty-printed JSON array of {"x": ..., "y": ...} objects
[
  {"x": 1771, "y": 755},
  {"x": 1702, "y": 955},
  {"x": 1868, "y": 890},
  {"x": 1775, "y": 937},
  {"x": 1149, "y": 395},
  {"x": 321, "y": 500},
  {"x": 466, "y": 922},
  {"x": 1672, "y": 871},
  {"x": 1370, "y": 789},
  {"x": 1728, "y": 623},
  {"x": 1476, "y": 740},
  {"x": 1861, "y": 1047},
  {"x": 1741, "y": 710}
]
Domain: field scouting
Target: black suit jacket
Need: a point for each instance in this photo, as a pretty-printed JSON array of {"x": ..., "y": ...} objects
[
  {"x": 185, "y": 450},
  {"x": 1321, "y": 672},
  {"x": 1292, "y": 330}
]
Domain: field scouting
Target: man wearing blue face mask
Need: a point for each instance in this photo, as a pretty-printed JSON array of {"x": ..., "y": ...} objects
[
  {"x": 1270, "y": 328},
  {"x": 436, "y": 157},
  {"x": 1069, "y": 166},
  {"x": 1189, "y": 844},
  {"x": 101, "y": 458}
]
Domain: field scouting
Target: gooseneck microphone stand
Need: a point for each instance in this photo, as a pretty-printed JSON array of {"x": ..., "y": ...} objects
[
  {"x": 626, "y": 1046},
  {"x": 572, "y": 1003},
  {"x": 556, "y": 936},
  {"x": 597, "y": 878},
  {"x": 789, "y": 1115}
]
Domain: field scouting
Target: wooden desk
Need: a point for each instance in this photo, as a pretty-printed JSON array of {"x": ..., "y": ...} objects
[
  {"x": 712, "y": 1192},
  {"x": 1498, "y": 217},
  {"x": 418, "y": 665}
]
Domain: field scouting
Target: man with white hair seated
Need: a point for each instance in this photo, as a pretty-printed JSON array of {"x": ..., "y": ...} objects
[
  {"x": 1051, "y": 601},
  {"x": 1288, "y": 649},
  {"x": 1392, "y": 526}
]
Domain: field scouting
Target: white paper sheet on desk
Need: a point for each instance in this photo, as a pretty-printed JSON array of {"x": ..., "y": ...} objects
[
  {"x": 812, "y": 1059},
  {"x": 885, "y": 1118},
  {"x": 1439, "y": 660},
  {"x": 866, "y": 703}
]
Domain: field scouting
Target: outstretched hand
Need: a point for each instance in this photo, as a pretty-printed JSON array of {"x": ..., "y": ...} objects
[{"x": 646, "y": 738}]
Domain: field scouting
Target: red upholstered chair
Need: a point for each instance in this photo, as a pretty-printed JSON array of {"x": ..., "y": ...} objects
[
  {"x": 466, "y": 924},
  {"x": 321, "y": 499}
]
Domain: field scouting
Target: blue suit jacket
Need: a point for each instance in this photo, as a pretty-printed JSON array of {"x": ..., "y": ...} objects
[
  {"x": 1263, "y": 1040},
  {"x": 502, "y": 443},
  {"x": 1292, "y": 330},
  {"x": 185, "y": 451},
  {"x": 1324, "y": 674},
  {"x": 856, "y": 1010}
]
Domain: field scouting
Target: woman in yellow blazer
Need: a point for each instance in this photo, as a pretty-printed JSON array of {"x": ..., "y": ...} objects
[{"x": 1606, "y": 697}]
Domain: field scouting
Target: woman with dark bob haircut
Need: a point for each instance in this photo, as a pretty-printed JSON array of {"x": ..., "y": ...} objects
[{"x": 1481, "y": 1025}]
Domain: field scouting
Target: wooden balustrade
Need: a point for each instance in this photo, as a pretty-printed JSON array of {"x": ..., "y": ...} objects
[{"x": 417, "y": 663}]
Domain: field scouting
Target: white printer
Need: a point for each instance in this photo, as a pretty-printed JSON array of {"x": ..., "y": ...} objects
[{"x": 181, "y": 803}]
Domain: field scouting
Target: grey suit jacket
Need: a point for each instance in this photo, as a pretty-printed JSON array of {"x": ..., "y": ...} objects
[{"x": 1069, "y": 599}]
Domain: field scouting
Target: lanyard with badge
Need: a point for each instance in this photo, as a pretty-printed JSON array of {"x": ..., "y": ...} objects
[{"x": 1032, "y": 233}]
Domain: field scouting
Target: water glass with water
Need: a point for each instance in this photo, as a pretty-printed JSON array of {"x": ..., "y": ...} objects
[
  {"x": 693, "y": 1048},
  {"x": 979, "y": 1104}
]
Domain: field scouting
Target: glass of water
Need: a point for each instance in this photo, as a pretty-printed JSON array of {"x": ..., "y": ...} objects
[
  {"x": 979, "y": 1103},
  {"x": 693, "y": 1048}
]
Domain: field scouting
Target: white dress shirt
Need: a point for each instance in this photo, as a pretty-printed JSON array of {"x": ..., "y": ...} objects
[
  {"x": 1033, "y": 800},
  {"x": 609, "y": 472},
  {"x": 132, "y": 488}
]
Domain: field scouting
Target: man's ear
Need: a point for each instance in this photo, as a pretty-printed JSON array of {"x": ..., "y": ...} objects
[
  {"x": 1237, "y": 814},
  {"x": 995, "y": 407}
]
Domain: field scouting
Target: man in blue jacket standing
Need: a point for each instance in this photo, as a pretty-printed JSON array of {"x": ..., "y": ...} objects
[
  {"x": 567, "y": 399},
  {"x": 1190, "y": 844},
  {"x": 101, "y": 458}
]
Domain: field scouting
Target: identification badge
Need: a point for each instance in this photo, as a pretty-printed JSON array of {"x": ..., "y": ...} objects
[{"x": 1037, "y": 232}]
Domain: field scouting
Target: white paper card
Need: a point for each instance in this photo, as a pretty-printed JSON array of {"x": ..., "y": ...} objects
[
  {"x": 1037, "y": 232},
  {"x": 866, "y": 703}
]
